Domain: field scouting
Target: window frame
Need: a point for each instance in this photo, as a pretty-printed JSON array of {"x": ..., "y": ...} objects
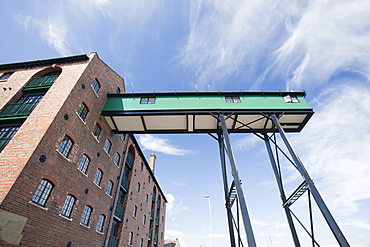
[
  {"x": 85, "y": 219},
  {"x": 5, "y": 76},
  {"x": 130, "y": 239},
  {"x": 68, "y": 206},
  {"x": 6, "y": 134},
  {"x": 138, "y": 187},
  {"x": 84, "y": 164},
  {"x": 65, "y": 146},
  {"x": 82, "y": 111},
  {"x": 109, "y": 189},
  {"x": 98, "y": 177},
  {"x": 96, "y": 131},
  {"x": 100, "y": 225},
  {"x": 134, "y": 212},
  {"x": 232, "y": 99},
  {"x": 147, "y": 100},
  {"x": 96, "y": 85},
  {"x": 107, "y": 147},
  {"x": 42, "y": 193},
  {"x": 291, "y": 99},
  {"x": 117, "y": 159}
]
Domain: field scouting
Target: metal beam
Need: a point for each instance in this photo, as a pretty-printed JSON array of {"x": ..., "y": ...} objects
[
  {"x": 314, "y": 192},
  {"x": 234, "y": 171}
]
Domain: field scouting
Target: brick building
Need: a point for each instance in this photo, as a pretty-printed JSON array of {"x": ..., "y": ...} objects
[{"x": 65, "y": 178}]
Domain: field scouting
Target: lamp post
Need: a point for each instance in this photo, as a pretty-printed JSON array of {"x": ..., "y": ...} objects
[{"x": 210, "y": 217}]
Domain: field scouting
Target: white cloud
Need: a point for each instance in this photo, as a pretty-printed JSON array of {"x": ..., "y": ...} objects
[
  {"x": 247, "y": 143},
  {"x": 160, "y": 145},
  {"x": 52, "y": 29},
  {"x": 174, "y": 206},
  {"x": 303, "y": 43},
  {"x": 335, "y": 147}
]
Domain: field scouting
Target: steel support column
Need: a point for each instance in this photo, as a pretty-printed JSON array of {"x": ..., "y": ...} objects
[
  {"x": 281, "y": 190},
  {"x": 243, "y": 205},
  {"x": 314, "y": 192},
  {"x": 226, "y": 189}
]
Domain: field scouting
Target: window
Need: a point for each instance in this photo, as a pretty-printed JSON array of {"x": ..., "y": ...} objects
[
  {"x": 144, "y": 219},
  {"x": 42, "y": 193},
  {"x": 130, "y": 238},
  {"x": 96, "y": 85},
  {"x": 96, "y": 131},
  {"x": 86, "y": 216},
  {"x": 68, "y": 206},
  {"x": 82, "y": 111},
  {"x": 116, "y": 159},
  {"x": 31, "y": 98},
  {"x": 291, "y": 99},
  {"x": 65, "y": 146},
  {"x": 98, "y": 176},
  {"x": 141, "y": 166},
  {"x": 6, "y": 134},
  {"x": 135, "y": 211},
  {"x": 123, "y": 137},
  {"x": 138, "y": 187},
  {"x": 84, "y": 164},
  {"x": 99, "y": 226},
  {"x": 114, "y": 229},
  {"x": 232, "y": 99},
  {"x": 149, "y": 179},
  {"x": 147, "y": 100},
  {"x": 5, "y": 76},
  {"x": 109, "y": 188},
  {"x": 141, "y": 242},
  {"x": 107, "y": 146},
  {"x": 146, "y": 198}
]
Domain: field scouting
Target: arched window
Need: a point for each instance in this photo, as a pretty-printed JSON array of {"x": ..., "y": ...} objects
[
  {"x": 82, "y": 111},
  {"x": 109, "y": 188},
  {"x": 138, "y": 187},
  {"x": 68, "y": 206},
  {"x": 86, "y": 216},
  {"x": 96, "y": 85},
  {"x": 98, "y": 177},
  {"x": 84, "y": 164},
  {"x": 117, "y": 159},
  {"x": 100, "y": 225},
  {"x": 65, "y": 146},
  {"x": 42, "y": 193},
  {"x": 96, "y": 131},
  {"x": 107, "y": 146}
]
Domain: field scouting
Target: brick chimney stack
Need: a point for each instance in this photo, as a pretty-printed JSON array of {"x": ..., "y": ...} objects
[{"x": 152, "y": 162}]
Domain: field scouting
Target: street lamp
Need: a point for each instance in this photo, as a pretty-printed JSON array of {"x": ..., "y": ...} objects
[{"x": 210, "y": 217}]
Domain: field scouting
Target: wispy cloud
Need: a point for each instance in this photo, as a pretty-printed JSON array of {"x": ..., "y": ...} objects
[
  {"x": 335, "y": 147},
  {"x": 301, "y": 43},
  {"x": 161, "y": 145}
]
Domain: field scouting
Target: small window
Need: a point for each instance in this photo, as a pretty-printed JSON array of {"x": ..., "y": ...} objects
[
  {"x": 107, "y": 146},
  {"x": 5, "y": 76},
  {"x": 42, "y": 193},
  {"x": 97, "y": 130},
  {"x": 144, "y": 219},
  {"x": 130, "y": 238},
  {"x": 141, "y": 166},
  {"x": 6, "y": 134},
  {"x": 68, "y": 206},
  {"x": 117, "y": 159},
  {"x": 109, "y": 188},
  {"x": 138, "y": 187},
  {"x": 118, "y": 90},
  {"x": 232, "y": 99},
  {"x": 135, "y": 211},
  {"x": 65, "y": 146},
  {"x": 84, "y": 164},
  {"x": 147, "y": 100},
  {"x": 148, "y": 179},
  {"x": 98, "y": 177},
  {"x": 82, "y": 111},
  {"x": 96, "y": 85},
  {"x": 123, "y": 137},
  {"x": 141, "y": 242},
  {"x": 146, "y": 198},
  {"x": 291, "y": 99},
  {"x": 86, "y": 216},
  {"x": 100, "y": 225}
]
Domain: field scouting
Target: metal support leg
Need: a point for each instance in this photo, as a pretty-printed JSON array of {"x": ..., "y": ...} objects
[
  {"x": 226, "y": 190},
  {"x": 282, "y": 193},
  {"x": 243, "y": 205},
  {"x": 314, "y": 192}
]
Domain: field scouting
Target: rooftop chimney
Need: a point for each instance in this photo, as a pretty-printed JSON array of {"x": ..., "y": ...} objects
[{"x": 152, "y": 162}]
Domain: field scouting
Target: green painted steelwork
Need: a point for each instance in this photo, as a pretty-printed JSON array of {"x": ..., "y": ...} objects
[{"x": 201, "y": 101}]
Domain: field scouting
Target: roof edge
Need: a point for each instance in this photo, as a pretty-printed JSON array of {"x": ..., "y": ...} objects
[{"x": 223, "y": 93}]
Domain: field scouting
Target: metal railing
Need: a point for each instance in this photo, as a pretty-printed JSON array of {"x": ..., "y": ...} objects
[
  {"x": 40, "y": 82},
  {"x": 118, "y": 213},
  {"x": 18, "y": 109}
]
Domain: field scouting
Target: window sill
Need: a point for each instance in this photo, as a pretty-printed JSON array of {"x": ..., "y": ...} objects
[
  {"x": 97, "y": 185},
  {"x": 95, "y": 137},
  {"x": 102, "y": 233},
  {"x": 83, "y": 121},
  {"x": 82, "y": 172},
  {"x": 64, "y": 217},
  {"x": 84, "y": 225},
  {"x": 106, "y": 152},
  {"x": 39, "y": 206},
  {"x": 108, "y": 195},
  {"x": 96, "y": 93},
  {"x": 62, "y": 155}
]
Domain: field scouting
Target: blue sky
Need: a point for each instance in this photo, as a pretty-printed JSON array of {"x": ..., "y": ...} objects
[{"x": 319, "y": 46}]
